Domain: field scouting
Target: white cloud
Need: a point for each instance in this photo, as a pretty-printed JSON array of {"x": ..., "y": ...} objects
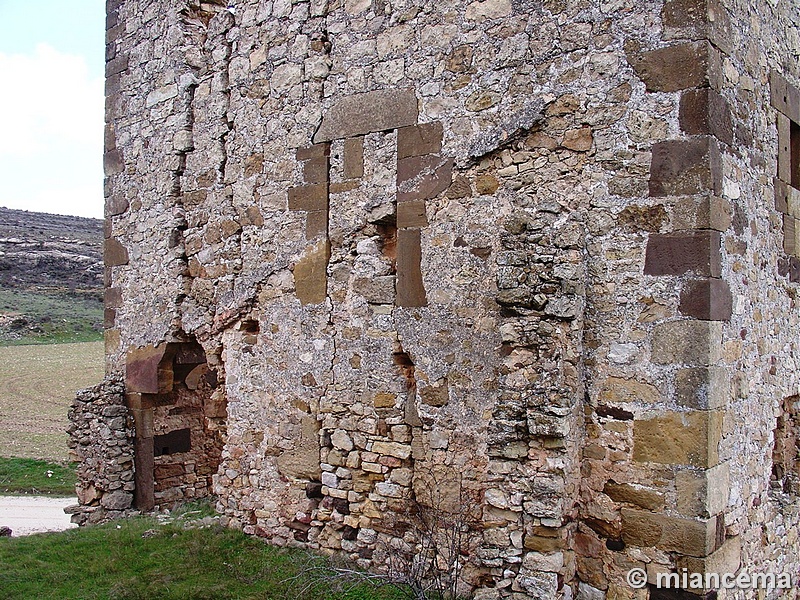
[{"x": 51, "y": 133}]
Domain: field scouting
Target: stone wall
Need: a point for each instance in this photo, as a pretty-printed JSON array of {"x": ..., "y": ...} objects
[{"x": 538, "y": 254}]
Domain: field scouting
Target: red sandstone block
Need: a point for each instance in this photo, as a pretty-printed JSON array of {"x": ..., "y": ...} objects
[
  {"x": 418, "y": 140},
  {"x": 410, "y": 288},
  {"x": 685, "y": 167},
  {"x": 354, "y": 158},
  {"x": 411, "y": 214},
  {"x": 677, "y": 253},
  {"x": 707, "y": 299},
  {"x": 705, "y": 112},
  {"x": 673, "y": 68},
  {"x": 114, "y": 253}
]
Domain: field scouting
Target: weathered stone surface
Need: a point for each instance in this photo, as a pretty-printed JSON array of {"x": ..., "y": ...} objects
[
  {"x": 311, "y": 274},
  {"x": 410, "y": 288},
  {"x": 579, "y": 140},
  {"x": 678, "y": 253},
  {"x": 687, "y": 342},
  {"x": 705, "y": 112},
  {"x": 143, "y": 370},
  {"x": 419, "y": 140},
  {"x": 113, "y": 163},
  {"x": 309, "y": 197},
  {"x": 703, "y": 492},
  {"x": 642, "y": 497},
  {"x": 706, "y": 212},
  {"x": 411, "y": 214},
  {"x": 302, "y": 461},
  {"x": 686, "y": 536},
  {"x": 673, "y": 68},
  {"x": 702, "y": 387},
  {"x": 682, "y": 167},
  {"x": 690, "y": 438},
  {"x": 784, "y": 96},
  {"x": 617, "y": 389},
  {"x": 708, "y": 299},
  {"x": 379, "y": 110},
  {"x": 686, "y": 19}
]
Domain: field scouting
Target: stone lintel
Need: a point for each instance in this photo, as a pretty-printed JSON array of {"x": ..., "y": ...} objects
[
  {"x": 379, "y": 110},
  {"x": 707, "y": 299},
  {"x": 685, "y": 167},
  {"x": 695, "y": 252}
]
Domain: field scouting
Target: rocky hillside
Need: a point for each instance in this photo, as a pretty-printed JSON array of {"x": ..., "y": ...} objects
[{"x": 51, "y": 277}]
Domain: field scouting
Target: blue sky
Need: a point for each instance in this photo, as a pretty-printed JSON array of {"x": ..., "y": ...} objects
[{"x": 51, "y": 106}]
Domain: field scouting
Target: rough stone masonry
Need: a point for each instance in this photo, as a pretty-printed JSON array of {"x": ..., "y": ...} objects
[{"x": 537, "y": 258}]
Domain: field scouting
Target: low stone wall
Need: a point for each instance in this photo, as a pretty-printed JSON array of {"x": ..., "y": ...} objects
[{"x": 101, "y": 442}]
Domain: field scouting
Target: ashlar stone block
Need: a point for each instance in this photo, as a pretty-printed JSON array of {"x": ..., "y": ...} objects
[
  {"x": 674, "y": 534},
  {"x": 379, "y": 110},
  {"x": 690, "y": 438}
]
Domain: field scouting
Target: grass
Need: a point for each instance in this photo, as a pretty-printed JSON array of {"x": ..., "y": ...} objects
[
  {"x": 55, "y": 316},
  {"x": 31, "y": 476},
  {"x": 141, "y": 558},
  {"x": 37, "y": 386}
]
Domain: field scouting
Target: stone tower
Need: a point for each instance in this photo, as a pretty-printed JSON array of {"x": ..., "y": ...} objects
[{"x": 533, "y": 262}]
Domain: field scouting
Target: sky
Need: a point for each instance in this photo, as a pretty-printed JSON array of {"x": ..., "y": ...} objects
[{"x": 51, "y": 106}]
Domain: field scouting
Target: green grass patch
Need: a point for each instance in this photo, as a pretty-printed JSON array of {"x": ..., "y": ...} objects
[
  {"x": 48, "y": 317},
  {"x": 141, "y": 559},
  {"x": 30, "y": 476}
]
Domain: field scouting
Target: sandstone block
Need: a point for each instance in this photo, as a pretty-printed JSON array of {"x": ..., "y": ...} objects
[
  {"x": 678, "y": 253},
  {"x": 784, "y": 148},
  {"x": 706, "y": 212},
  {"x": 787, "y": 198},
  {"x": 419, "y": 140},
  {"x": 358, "y": 114},
  {"x": 784, "y": 96},
  {"x": 316, "y": 224},
  {"x": 708, "y": 299},
  {"x": 113, "y": 162},
  {"x": 706, "y": 112},
  {"x": 619, "y": 390},
  {"x": 410, "y": 288},
  {"x": 411, "y": 214},
  {"x": 311, "y": 274},
  {"x": 671, "y": 69},
  {"x": 376, "y": 290},
  {"x": 686, "y": 536},
  {"x": 638, "y": 495},
  {"x": 401, "y": 451},
  {"x": 144, "y": 371},
  {"x": 313, "y": 151},
  {"x": 684, "y": 167},
  {"x": 703, "y": 388},
  {"x": 690, "y": 438},
  {"x": 703, "y": 492},
  {"x": 726, "y": 559},
  {"x": 115, "y": 205},
  {"x": 579, "y": 140},
  {"x": 685, "y": 19},
  {"x": 309, "y": 197},
  {"x": 302, "y": 461},
  {"x": 353, "y": 158},
  {"x": 315, "y": 170},
  {"x": 481, "y": 10}
]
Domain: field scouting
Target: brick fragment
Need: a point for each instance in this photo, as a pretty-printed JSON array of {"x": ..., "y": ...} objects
[
  {"x": 678, "y": 253},
  {"x": 684, "y": 167}
]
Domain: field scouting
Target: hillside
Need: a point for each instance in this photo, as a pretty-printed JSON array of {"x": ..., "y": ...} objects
[{"x": 51, "y": 277}]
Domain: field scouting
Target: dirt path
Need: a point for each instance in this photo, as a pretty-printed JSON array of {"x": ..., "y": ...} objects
[{"x": 34, "y": 514}]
